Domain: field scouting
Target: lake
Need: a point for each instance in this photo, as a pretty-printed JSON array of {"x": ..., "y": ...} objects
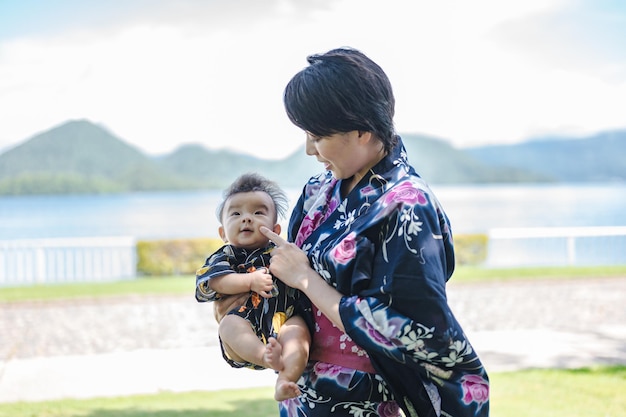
[{"x": 472, "y": 208}]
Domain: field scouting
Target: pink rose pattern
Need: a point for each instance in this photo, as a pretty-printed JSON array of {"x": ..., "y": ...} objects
[
  {"x": 345, "y": 250},
  {"x": 307, "y": 227},
  {"x": 475, "y": 389},
  {"x": 317, "y": 215},
  {"x": 406, "y": 193},
  {"x": 340, "y": 374},
  {"x": 373, "y": 333},
  {"x": 367, "y": 191},
  {"x": 327, "y": 369},
  {"x": 388, "y": 409}
]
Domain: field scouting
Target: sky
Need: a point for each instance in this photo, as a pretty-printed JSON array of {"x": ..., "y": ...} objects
[{"x": 159, "y": 74}]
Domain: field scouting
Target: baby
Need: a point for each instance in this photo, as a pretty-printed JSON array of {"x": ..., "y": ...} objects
[{"x": 264, "y": 328}]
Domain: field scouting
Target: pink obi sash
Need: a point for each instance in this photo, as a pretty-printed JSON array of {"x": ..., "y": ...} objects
[{"x": 331, "y": 345}]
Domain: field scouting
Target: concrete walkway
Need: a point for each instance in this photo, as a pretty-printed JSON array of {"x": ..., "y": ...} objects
[
  {"x": 124, "y": 373},
  {"x": 143, "y": 345}
]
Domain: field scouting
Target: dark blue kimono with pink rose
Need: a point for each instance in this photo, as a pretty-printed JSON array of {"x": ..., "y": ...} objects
[{"x": 388, "y": 248}]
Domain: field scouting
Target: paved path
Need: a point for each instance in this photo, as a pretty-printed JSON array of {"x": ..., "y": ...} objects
[{"x": 131, "y": 345}]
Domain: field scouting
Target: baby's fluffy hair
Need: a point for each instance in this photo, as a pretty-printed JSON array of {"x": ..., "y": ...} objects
[{"x": 255, "y": 182}]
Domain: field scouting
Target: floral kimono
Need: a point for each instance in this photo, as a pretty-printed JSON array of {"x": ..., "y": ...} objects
[{"x": 388, "y": 248}]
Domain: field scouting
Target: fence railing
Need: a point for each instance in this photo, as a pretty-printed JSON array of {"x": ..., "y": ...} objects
[
  {"x": 97, "y": 259},
  {"x": 557, "y": 246},
  {"x": 65, "y": 260}
]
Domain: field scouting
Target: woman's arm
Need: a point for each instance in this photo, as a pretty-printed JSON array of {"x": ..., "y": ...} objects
[
  {"x": 324, "y": 296},
  {"x": 291, "y": 265}
]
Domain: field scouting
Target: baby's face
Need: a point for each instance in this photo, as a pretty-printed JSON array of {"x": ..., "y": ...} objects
[{"x": 243, "y": 215}]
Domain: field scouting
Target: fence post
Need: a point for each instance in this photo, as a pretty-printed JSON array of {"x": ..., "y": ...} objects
[
  {"x": 571, "y": 250},
  {"x": 41, "y": 265}
]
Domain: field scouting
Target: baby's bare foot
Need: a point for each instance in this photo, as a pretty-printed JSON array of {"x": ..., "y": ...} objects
[
  {"x": 273, "y": 354},
  {"x": 285, "y": 389}
]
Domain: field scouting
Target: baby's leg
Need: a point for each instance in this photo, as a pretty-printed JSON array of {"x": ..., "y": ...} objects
[
  {"x": 292, "y": 345},
  {"x": 240, "y": 342}
]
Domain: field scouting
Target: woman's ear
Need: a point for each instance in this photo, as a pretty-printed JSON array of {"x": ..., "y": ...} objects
[{"x": 365, "y": 136}]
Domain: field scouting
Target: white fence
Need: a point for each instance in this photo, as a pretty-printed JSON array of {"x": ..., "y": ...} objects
[
  {"x": 34, "y": 261},
  {"x": 557, "y": 246},
  {"x": 98, "y": 259}
]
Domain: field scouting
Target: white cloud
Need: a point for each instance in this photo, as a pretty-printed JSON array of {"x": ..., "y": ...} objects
[{"x": 159, "y": 82}]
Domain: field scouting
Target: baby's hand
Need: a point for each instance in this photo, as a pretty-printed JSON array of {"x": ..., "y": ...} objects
[{"x": 261, "y": 282}]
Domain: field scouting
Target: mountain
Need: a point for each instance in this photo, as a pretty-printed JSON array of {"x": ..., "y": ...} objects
[
  {"x": 211, "y": 169},
  {"x": 601, "y": 157},
  {"x": 438, "y": 162},
  {"x": 81, "y": 157},
  {"x": 217, "y": 169}
]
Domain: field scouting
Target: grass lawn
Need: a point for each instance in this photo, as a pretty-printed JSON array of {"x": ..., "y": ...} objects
[
  {"x": 535, "y": 393},
  {"x": 186, "y": 284},
  {"x": 139, "y": 286},
  {"x": 478, "y": 274},
  {"x": 583, "y": 392}
]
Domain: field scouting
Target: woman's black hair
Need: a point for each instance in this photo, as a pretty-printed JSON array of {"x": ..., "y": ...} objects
[{"x": 340, "y": 91}]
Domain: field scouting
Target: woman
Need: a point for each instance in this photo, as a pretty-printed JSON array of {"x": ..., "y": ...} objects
[{"x": 373, "y": 251}]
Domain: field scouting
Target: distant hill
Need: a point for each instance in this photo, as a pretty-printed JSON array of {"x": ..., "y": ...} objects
[
  {"x": 210, "y": 169},
  {"x": 438, "y": 162},
  {"x": 217, "y": 169},
  {"x": 81, "y": 157},
  {"x": 600, "y": 157}
]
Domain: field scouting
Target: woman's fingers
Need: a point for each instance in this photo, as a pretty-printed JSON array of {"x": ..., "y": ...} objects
[{"x": 278, "y": 241}]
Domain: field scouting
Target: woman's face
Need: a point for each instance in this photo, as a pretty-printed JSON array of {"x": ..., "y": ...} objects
[{"x": 347, "y": 155}]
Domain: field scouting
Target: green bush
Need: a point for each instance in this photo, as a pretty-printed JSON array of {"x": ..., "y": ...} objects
[
  {"x": 174, "y": 257},
  {"x": 470, "y": 249},
  {"x": 185, "y": 256}
]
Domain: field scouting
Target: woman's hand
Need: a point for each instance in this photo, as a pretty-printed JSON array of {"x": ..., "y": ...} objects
[
  {"x": 291, "y": 265},
  {"x": 288, "y": 263}
]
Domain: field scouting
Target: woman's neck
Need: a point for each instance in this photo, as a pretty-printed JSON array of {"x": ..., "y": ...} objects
[{"x": 348, "y": 184}]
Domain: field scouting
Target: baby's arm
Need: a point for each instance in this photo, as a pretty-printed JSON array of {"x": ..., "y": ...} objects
[{"x": 259, "y": 281}]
